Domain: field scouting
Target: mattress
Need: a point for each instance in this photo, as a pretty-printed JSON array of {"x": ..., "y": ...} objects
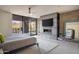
[{"x": 18, "y": 43}]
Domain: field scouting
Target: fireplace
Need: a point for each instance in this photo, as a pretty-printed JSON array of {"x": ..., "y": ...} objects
[{"x": 46, "y": 30}]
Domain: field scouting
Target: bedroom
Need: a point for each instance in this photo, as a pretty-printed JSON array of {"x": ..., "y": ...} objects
[{"x": 46, "y": 36}]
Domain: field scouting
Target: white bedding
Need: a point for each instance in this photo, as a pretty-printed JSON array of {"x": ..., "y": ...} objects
[{"x": 16, "y": 37}]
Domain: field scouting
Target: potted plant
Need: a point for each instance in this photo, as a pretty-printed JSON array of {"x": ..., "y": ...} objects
[
  {"x": 60, "y": 36},
  {"x": 1, "y": 40}
]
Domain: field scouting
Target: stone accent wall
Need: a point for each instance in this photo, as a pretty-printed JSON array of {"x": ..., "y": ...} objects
[{"x": 54, "y": 28}]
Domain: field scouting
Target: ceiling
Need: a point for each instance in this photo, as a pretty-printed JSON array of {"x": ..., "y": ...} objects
[{"x": 38, "y": 10}]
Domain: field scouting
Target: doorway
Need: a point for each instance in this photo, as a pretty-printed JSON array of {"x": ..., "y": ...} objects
[{"x": 75, "y": 27}]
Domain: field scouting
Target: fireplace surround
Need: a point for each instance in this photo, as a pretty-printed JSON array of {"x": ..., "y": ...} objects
[{"x": 53, "y": 29}]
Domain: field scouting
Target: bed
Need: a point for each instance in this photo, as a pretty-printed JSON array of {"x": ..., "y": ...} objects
[{"x": 18, "y": 43}]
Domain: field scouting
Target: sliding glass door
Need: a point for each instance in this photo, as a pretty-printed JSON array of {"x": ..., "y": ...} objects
[
  {"x": 16, "y": 26},
  {"x": 33, "y": 27}
]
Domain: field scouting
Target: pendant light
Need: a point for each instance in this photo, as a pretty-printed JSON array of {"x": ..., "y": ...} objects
[{"x": 30, "y": 13}]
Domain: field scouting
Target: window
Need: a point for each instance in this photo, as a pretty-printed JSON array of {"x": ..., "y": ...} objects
[{"x": 16, "y": 26}]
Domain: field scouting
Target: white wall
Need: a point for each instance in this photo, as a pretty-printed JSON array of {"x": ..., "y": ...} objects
[
  {"x": 39, "y": 26},
  {"x": 5, "y": 22}
]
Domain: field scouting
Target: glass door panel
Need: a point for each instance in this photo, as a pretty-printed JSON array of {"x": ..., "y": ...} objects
[
  {"x": 33, "y": 27},
  {"x": 16, "y": 26}
]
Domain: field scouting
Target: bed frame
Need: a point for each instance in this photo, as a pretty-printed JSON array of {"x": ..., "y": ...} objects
[{"x": 13, "y": 46}]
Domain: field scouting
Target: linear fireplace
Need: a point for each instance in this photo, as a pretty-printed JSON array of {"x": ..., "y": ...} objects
[{"x": 47, "y": 30}]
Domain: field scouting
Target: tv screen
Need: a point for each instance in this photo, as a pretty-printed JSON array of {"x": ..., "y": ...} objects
[{"x": 47, "y": 22}]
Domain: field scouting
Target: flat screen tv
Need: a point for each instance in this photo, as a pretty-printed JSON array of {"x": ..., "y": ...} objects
[{"x": 47, "y": 22}]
